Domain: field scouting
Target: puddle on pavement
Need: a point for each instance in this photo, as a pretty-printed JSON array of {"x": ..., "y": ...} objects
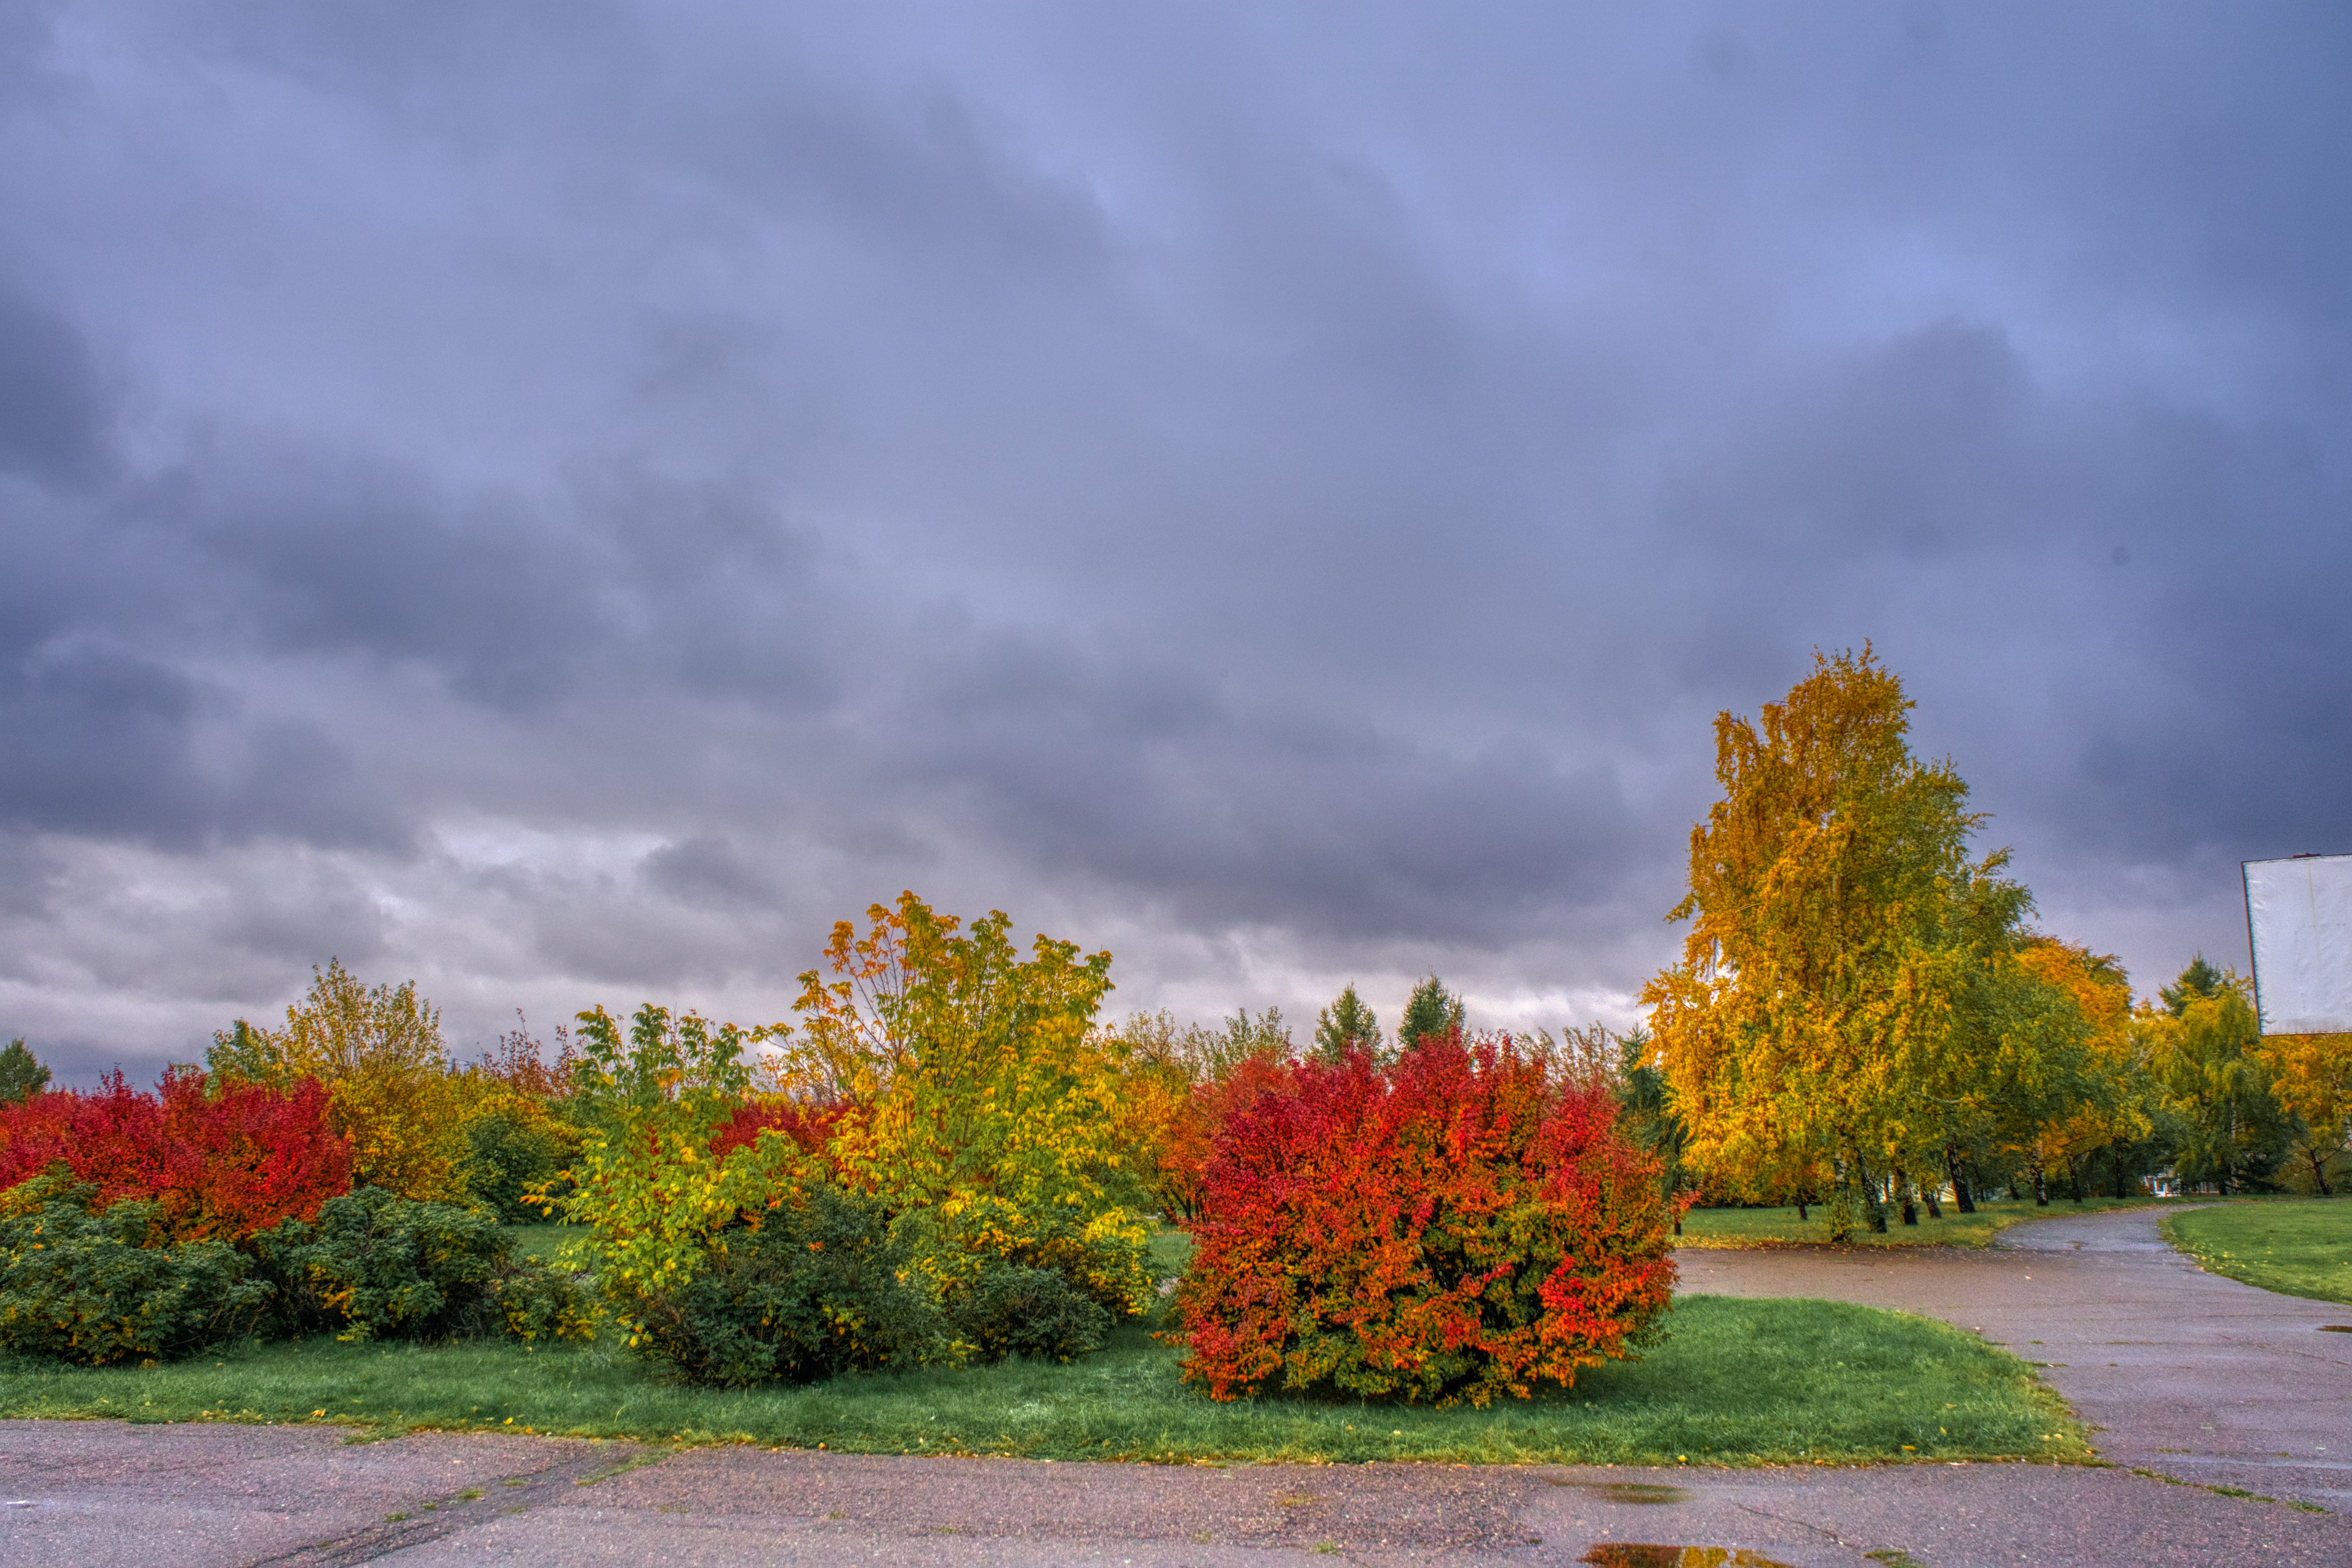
[
  {"x": 1632, "y": 1554},
  {"x": 1628, "y": 1491}
]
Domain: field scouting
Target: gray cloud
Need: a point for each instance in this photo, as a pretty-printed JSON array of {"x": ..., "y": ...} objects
[{"x": 568, "y": 501}]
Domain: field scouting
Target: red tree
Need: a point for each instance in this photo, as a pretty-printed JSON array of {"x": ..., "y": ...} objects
[
  {"x": 1453, "y": 1226},
  {"x": 222, "y": 1165}
]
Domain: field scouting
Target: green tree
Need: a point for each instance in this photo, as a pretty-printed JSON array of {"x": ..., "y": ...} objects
[
  {"x": 1644, "y": 1108},
  {"x": 2202, "y": 1044},
  {"x": 1431, "y": 1013},
  {"x": 1346, "y": 1024},
  {"x": 21, "y": 1074}
]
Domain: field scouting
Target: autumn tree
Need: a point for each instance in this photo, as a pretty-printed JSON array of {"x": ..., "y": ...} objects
[
  {"x": 378, "y": 1050},
  {"x": 2201, "y": 1046},
  {"x": 984, "y": 1107},
  {"x": 2310, "y": 1077},
  {"x": 1848, "y": 987}
]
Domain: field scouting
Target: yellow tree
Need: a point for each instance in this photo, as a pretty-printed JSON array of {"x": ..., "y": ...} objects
[
  {"x": 983, "y": 1104},
  {"x": 2311, "y": 1076},
  {"x": 1837, "y": 925},
  {"x": 379, "y": 1052},
  {"x": 2116, "y": 1100}
]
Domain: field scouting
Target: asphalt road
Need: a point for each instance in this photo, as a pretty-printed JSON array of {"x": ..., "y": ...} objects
[
  {"x": 2185, "y": 1373},
  {"x": 2201, "y": 1378}
]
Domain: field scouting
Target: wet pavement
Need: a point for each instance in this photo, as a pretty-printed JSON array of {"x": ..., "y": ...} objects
[
  {"x": 2184, "y": 1373},
  {"x": 2202, "y": 1379},
  {"x": 106, "y": 1495}
]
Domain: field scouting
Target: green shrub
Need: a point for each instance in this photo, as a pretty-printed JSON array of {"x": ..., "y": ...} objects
[
  {"x": 379, "y": 1266},
  {"x": 513, "y": 1156},
  {"x": 817, "y": 1287},
  {"x": 82, "y": 1287},
  {"x": 1036, "y": 1314},
  {"x": 539, "y": 1303}
]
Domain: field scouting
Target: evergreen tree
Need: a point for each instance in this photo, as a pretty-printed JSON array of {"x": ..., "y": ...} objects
[
  {"x": 1346, "y": 1022},
  {"x": 21, "y": 1076},
  {"x": 2200, "y": 982},
  {"x": 1432, "y": 1013}
]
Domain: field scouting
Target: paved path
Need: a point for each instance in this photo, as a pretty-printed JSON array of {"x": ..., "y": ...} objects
[
  {"x": 2186, "y": 1372},
  {"x": 2191, "y": 1375},
  {"x": 104, "y": 1495}
]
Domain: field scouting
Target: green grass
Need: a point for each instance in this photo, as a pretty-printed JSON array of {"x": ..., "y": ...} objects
[
  {"x": 1782, "y": 1227},
  {"x": 2296, "y": 1246},
  {"x": 1736, "y": 1381}
]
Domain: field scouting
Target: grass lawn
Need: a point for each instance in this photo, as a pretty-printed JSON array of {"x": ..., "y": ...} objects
[
  {"x": 2297, "y": 1247},
  {"x": 1735, "y": 1381},
  {"x": 1782, "y": 1227}
]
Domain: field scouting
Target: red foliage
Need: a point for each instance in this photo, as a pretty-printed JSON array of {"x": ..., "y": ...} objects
[
  {"x": 224, "y": 1165},
  {"x": 1191, "y": 1132},
  {"x": 809, "y": 1123},
  {"x": 1453, "y": 1227}
]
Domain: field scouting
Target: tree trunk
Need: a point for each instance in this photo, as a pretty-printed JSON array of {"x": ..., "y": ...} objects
[
  {"x": 1902, "y": 1183},
  {"x": 2075, "y": 1177},
  {"x": 2041, "y": 1183},
  {"x": 1960, "y": 1194},
  {"x": 1801, "y": 1205},
  {"x": 1928, "y": 1190}
]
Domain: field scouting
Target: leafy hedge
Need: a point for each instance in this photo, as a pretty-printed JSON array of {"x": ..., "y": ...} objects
[
  {"x": 222, "y": 1166},
  {"x": 1455, "y": 1225},
  {"x": 97, "y": 1283}
]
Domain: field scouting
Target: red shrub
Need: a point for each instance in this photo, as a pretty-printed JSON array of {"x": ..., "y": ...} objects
[
  {"x": 224, "y": 1165},
  {"x": 1453, "y": 1226},
  {"x": 809, "y": 1124}
]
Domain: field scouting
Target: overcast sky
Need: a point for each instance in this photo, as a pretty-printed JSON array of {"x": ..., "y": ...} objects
[{"x": 565, "y": 500}]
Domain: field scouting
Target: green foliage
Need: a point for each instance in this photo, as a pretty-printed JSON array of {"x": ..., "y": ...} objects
[
  {"x": 816, "y": 1286},
  {"x": 2229, "y": 1125},
  {"x": 1346, "y": 1024},
  {"x": 986, "y": 1106},
  {"x": 512, "y": 1154},
  {"x": 1431, "y": 1013},
  {"x": 653, "y": 1196},
  {"x": 379, "y": 1266},
  {"x": 86, "y": 1288},
  {"x": 540, "y": 1302},
  {"x": 1034, "y": 1313},
  {"x": 2200, "y": 982},
  {"x": 21, "y": 1076}
]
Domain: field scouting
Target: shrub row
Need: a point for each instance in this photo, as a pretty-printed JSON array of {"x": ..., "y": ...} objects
[{"x": 94, "y": 1282}]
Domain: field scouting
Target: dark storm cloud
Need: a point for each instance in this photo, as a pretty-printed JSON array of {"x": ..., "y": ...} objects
[{"x": 583, "y": 496}]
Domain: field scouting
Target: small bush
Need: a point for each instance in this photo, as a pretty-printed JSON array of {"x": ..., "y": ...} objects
[
  {"x": 83, "y": 1286},
  {"x": 538, "y": 1302},
  {"x": 1449, "y": 1226},
  {"x": 815, "y": 1287},
  {"x": 223, "y": 1164},
  {"x": 515, "y": 1148},
  {"x": 1036, "y": 1314},
  {"x": 379, "y": 1266}
]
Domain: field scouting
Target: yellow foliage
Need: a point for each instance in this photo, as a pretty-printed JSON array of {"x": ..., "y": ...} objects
[
  {"x": 379, "y": 1053},
  {"x": 1835, "y": 920},
  {"x": 2311, "y": 1076},
  {"x": 982, "y": 1099}
]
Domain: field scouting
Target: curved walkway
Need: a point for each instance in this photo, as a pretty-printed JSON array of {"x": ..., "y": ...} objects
[{"x": 2184, "y": 1373}]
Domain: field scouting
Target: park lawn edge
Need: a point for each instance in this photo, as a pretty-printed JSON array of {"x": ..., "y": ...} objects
[
  {"x": 2214, "y": 1260},
  {"x": 1992, "y": 1224},
  {"x": 2005, "y": 1395}
]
